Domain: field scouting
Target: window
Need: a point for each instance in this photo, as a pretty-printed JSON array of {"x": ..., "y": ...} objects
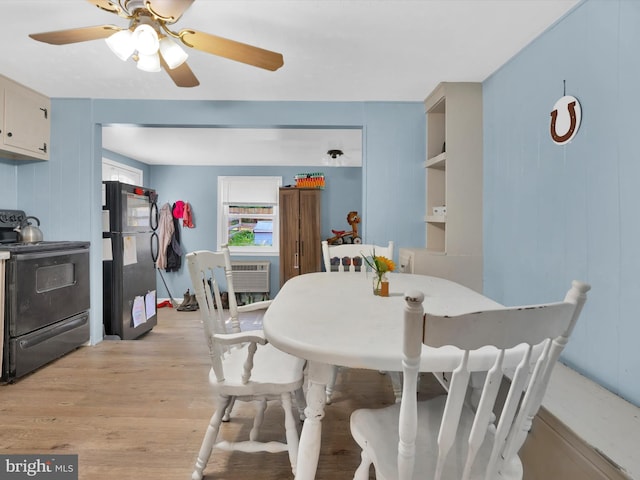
[
  {"x": 112, "y": 170},
  {"x": 248, "y": 214}
]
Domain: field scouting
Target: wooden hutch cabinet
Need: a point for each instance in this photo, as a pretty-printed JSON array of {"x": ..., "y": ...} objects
[{"x": 300, "y": 247}]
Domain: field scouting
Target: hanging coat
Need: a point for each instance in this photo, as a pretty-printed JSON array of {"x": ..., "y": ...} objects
[
  {"x": 165, "y": 234},
  {"x": 174, "y": 249},
  {"x": 187, "y": 218}
]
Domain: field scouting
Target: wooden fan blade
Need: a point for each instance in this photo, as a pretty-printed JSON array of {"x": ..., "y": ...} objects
[
  {"x": 240, "y": 52},
  {"x": 169, "y": 10},
  {"x": 106, "y": 5},
  {"x": 75, "y": 35},
  {"x": 182, "y": 76}
]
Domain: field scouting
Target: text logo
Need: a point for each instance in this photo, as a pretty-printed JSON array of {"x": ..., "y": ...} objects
[{"x": 39, "y": 467}]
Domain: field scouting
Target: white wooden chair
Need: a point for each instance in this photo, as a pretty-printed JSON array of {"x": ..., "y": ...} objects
[
  {"x": 222, "y": 261},
  {"x": 445, "y": 438},
  {"x": 244, "y": 366},
  {"x": 349, "y": 258}
]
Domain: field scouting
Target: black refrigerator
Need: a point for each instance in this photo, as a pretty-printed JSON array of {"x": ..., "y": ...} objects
[{"x": 130, "y": 218}]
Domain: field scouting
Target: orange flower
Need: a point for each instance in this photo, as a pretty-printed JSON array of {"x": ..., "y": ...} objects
[{"x": 383, "y": 264}]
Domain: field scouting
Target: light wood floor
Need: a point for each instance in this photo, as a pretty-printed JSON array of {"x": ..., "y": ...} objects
[{"x": 138, "y": 410}]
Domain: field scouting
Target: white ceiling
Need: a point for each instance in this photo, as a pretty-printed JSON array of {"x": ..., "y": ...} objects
[
  {"x": 334, "y": 50},
  {"x": 235, "y": 146}
]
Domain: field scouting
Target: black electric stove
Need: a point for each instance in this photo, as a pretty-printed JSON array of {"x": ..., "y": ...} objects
[{"x": 46, "y": 299}]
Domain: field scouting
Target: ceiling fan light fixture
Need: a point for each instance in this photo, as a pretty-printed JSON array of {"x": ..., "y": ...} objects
[
  {"x": 173, "y": 55},
  {"x": 145, "y": 39},
  {"x": 149, "y": 22},
  {"x": 121, "y": 44},
  {"x": 149, "y": 63}
]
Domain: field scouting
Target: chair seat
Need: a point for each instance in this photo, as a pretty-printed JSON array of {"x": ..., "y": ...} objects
[
  {"x": 274, "y": 372},
  {"x": 377, "y": 429}
]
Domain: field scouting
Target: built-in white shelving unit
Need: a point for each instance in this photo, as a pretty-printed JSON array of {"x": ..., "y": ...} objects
[{"x": 453, "y": 175}]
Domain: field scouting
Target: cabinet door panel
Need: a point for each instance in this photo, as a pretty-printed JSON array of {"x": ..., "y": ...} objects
[
  {"x": 26, "y": 117},
  {"x": 310, "y": 247},
  {"x": 289, "y": 226}
]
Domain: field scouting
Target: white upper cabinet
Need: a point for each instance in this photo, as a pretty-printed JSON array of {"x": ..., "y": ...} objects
[{"x": 25, "y": 122}]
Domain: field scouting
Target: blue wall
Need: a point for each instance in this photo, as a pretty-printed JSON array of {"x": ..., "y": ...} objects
[
  {"x": 556, "y": 213},
  {"x": 199, "y": 187},
  {"x": 394, "y": 143},
  {"x": 8, "y": 177},
  {"x": 65, "y": 192},
  {"x": 59, "y": 192},
  {"x": 551, "y": 213}
]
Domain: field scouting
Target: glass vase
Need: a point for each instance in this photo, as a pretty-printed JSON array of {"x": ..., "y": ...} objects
[{"x": 381, "y": 285}]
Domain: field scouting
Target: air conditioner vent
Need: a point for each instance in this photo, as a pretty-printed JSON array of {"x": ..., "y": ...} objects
[{"x": 250, "y": 277}]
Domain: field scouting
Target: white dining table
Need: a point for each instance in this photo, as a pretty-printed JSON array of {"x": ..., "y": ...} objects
[{"x": 334, "y": 319}]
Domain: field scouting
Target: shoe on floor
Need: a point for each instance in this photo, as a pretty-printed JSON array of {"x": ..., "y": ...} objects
[
  {"x": 185, "y": 301},
  {"x": 192, "y": 306}
]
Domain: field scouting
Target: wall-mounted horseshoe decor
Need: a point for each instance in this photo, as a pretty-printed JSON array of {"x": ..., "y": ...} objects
[{"x": 565, "y": 119}]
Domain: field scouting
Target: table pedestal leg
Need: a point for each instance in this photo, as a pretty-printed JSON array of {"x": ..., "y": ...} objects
[{"x": 309, "y": 448}]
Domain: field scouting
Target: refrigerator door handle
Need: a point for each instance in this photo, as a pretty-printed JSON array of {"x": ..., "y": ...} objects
[
  {"x": 153, "y": 216},
  {"x": 155, "y": 246}
]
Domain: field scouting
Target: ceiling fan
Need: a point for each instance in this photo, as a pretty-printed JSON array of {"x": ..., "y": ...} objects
[{"x": 152, "y": 44}]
